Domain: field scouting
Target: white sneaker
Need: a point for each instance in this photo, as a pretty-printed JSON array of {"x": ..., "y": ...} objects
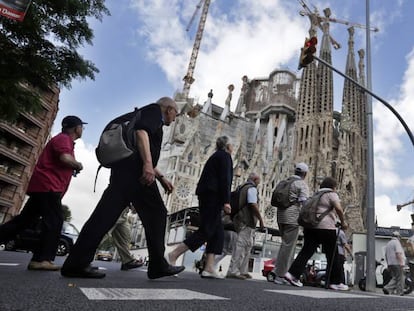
[
  {"x": 211, "y": 275},
  {"x": 292, "y": 280},
  {"x": 280, "y": 281},
  {"x": 339, "y": 287}
]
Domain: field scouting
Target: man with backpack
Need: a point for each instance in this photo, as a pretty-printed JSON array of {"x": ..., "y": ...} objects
[
  {"x": 132, "y": 180},
  {"x": 287, "y": 214},
  {"x": 245, "y": 225}
]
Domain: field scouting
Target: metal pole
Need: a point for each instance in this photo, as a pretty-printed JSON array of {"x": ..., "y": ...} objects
[
  {"x": 370, "y": 220},
  {"x": 404, "y": 124}
]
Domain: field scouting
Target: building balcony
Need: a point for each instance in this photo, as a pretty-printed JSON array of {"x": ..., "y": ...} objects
[
  {"x": 33, "y": 118},
  {"x": 10, "y": 178},
  {"x": 5, "y": 203},
  {"x": 16, "y": 154},
  {"x": 20, "y": 133}
]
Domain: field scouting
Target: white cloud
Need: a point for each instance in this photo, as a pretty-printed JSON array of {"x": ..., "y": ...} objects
[
  {"x": 80, "y": 197},
  {"x": 388, "y": 144},
  {"x": 388, "y": 216},
  {"x": 256, "y": 38},
  {"x": 389, "y": 150}
]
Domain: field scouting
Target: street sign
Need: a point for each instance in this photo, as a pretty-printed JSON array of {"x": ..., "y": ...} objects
[{"x": 14, "y": 9}]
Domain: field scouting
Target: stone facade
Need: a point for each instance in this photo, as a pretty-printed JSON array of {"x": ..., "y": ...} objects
[{"x": 279, "y": 120}]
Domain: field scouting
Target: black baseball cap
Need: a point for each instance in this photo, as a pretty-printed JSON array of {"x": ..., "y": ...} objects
[{"x": 71, "y": 121}]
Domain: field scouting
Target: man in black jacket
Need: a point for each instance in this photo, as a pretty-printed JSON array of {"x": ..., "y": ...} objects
[{"x": 132, "y": 181}]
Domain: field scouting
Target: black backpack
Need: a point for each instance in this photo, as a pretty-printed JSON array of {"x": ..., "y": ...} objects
[
  {"x": 117, "y": 141},
  {"x": 307, "y": 216},
  {"x": 280, "y": 196},
  {"x": 236, "y": 202}
]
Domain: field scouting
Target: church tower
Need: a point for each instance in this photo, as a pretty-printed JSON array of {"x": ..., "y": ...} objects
[
  {"x": 314, "y": 116},
  {"x": 350, "y": 163}
]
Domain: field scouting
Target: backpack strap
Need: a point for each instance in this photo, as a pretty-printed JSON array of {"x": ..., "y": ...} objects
[
  {"x": 96, "y": 177},
  {"x": 248, "y": 185},
  {"x": 330, "y": 208},
  {"x": 291, "y": 180}
]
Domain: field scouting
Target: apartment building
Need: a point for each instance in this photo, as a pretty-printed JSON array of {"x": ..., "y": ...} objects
[{"x": 21, "y": 142}]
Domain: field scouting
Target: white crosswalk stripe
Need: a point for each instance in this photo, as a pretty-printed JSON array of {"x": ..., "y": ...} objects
[
  {"x": 145, "y": 294},
  {"x": 8, "y": 264},
  {"x": 321, "y": 294}
]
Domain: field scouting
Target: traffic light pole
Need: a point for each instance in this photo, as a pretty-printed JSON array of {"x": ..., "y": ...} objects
[{"x": 370, "y": 240}]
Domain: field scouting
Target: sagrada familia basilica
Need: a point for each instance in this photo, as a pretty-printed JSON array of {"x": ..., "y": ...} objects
[{"x": 278, "y": 121}]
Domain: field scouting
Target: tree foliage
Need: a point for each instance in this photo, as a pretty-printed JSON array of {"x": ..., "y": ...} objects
[
  {"x": 107, "y": 243},
  {"x": 67, "y": 214},
  {"x": 42, "y": 51}
]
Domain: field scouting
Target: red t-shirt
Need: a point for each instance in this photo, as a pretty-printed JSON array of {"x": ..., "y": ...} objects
[{"x": 50, "y": 174}]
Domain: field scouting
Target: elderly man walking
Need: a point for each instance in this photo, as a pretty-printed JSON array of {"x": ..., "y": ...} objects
[
  {"x": 394, "y": 254},
  {"x": 245, "y": 222},
  {"x": 287, "y": 221}
]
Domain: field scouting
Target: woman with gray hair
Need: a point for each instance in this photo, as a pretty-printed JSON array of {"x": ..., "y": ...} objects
[{"x": 213, "y": 191}]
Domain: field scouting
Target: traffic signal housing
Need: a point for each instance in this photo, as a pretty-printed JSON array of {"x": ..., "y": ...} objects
[{"x": 306, "y": 54}]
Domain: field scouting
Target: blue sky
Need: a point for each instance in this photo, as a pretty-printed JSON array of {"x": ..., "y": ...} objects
[{"x": 143, "y": 50}]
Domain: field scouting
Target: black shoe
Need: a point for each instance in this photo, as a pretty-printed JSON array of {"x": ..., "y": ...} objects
[
  {"x": 170, "y": 270},
  {"x": 385, "y": 291},
  {"x": 131, "y": 265},
  {"x": 88, "y": 272}
]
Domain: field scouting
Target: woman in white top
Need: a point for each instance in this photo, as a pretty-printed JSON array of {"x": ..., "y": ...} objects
[{"x": 325, "y": 233}]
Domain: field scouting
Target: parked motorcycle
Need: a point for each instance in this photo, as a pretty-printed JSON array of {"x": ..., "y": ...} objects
[
  {"x": 383, "y": 276},
  {"x": 313, "y": 276}
]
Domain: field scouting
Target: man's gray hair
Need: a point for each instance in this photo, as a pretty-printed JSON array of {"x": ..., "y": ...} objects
[
  {"x": 253, "y": 175},
  {"x": 222, "y": 142},
  {"x": 166, "y": 102}
]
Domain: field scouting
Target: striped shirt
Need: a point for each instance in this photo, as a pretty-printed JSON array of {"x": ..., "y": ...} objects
[{"x": 298, "y": 192}]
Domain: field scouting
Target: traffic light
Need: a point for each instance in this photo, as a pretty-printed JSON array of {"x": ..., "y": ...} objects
[{"x": 306, "y": 54}]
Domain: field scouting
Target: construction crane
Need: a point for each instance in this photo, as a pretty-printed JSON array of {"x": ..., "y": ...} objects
[
  {"x": 316, "y": 18},
  {"x": 400, "y": 206},
  {"x": 194, "y": 15},
  {"x": 188, "y": 78}
]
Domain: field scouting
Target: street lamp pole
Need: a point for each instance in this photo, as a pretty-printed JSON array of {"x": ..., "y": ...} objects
[{"x": 370, "y": 220}]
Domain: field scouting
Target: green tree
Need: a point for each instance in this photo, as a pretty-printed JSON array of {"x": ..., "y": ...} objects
[
  {"x": 107, "y": 243},
  {"x": 67, "y": 214},
  {"x": 42, "y": 51}
]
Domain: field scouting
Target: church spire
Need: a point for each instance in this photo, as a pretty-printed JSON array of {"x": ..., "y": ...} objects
[{"x": 314, "y": 127}]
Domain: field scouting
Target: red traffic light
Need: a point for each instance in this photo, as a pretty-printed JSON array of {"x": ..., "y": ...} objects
[
  {"x": 306, "y": 55},
  {"x": 311, "y": 42}
]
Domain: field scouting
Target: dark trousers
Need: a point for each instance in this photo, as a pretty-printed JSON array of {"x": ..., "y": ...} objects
[
  {"x": 211, "y": 226},
  {"x": 341, "y": 261},
  {"x": 122, "y": 190},
  {"x": 40, "y": 204},
  {"x": 312, "y": 239}
]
